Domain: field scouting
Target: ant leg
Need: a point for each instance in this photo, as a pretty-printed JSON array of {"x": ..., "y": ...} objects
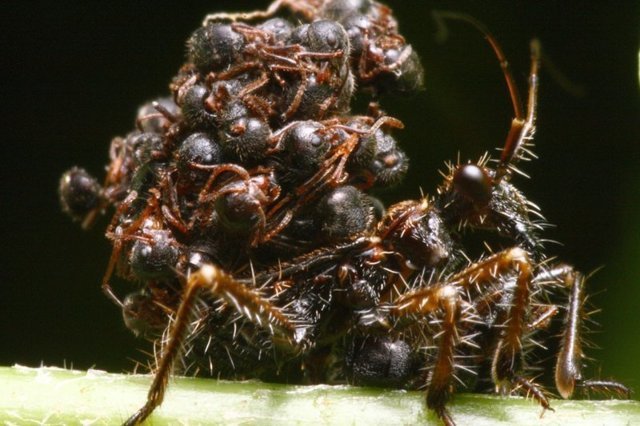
[
  {"x": 118, "y": 235},
  {"x": 543, "y": 318},
  {"x": 246, "y": 300},
  {"x": 247, "y": 16},
  {"x": 569, "y": 363},
  {"x": 446, "y": 298},
  {"x": 171, "y": 208},
  {"x": 106, "y": 286},
  {"x": 297, "y": 99},
  {"x": 508, "y": 357},
  {"x": 608, "y": 387},
  {"x": 480, "y": 277}
]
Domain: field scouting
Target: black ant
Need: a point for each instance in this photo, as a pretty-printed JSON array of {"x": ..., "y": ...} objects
[{"x": 243, "y": 209}]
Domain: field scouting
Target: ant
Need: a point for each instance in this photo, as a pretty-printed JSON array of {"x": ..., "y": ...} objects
[
  {"x": 380, "y": 57},
  {"x": 243, "y": 207}
]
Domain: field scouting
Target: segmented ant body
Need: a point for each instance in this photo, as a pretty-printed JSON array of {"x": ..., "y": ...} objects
[{"x": 243, "y": 208}]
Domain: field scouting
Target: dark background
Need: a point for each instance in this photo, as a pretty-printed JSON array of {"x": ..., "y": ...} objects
[{"x": 73, "y": 76}]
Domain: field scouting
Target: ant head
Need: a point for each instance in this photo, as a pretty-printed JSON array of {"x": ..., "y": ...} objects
[
  {"x": 475, "y": 196},
  {"x": 416, "y": 232},
  {"x": 378, "y": 160},
  {"x": 304, "y": 148},
  {"x": 403, "y": 71}
]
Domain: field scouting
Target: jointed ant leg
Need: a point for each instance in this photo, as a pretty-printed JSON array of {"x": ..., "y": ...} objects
[
  {"x": 507, "y": 358},
  {"x": 245, "y": 299},
  {"x": 569, "y": 363},
  {"x": 443, "y": 297}
]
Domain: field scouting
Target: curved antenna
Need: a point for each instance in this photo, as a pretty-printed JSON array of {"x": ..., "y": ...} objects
[
  {"x": 440, "y": 15},
  {"x": 522, "y": 127}
]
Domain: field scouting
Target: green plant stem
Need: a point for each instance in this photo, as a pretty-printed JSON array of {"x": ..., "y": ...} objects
[{"x": 58, "y": 396}]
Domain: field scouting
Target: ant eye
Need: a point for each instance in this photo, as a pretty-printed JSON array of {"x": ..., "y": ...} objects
[
  {"x": 156, "y": 258},
  {"x": 214, "y": 47},
  {"x": 79, "y": 193},
  {"x": 473, "y": 183}
]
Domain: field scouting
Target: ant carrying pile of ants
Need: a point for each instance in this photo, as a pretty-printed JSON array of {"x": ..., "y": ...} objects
[{"x": 245, "y": 222}]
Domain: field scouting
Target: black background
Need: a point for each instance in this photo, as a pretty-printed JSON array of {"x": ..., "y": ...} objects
[{"x": 74, "y": 74}]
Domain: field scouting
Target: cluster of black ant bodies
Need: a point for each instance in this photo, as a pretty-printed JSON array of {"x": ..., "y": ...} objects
[{"x": 244, "y": 210}]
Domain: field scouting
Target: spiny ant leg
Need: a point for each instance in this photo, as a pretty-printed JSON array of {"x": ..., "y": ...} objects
[
  {"x": 543, "y": 318},
  {"x": 440, "y": 381},
  {"x": 507, "y": 358},
  {"x": 609, "y": 387},
  {"x": 443, "y": 297},
  {"x": 246, "y": 300},
  {"x": 569, "y": 363},
  {"x": 530, "y": 388}
]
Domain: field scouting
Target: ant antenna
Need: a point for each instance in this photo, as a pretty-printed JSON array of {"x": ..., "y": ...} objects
[{"x": 522, "y": 127}]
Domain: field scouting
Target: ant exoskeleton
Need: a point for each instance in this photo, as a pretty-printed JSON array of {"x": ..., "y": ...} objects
[
  {"x": 381, "y": 58},
  {"x": 243, "y": 210},
  {"x": 309, "y": 65},
  {"x": 411, "y": 292}
]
